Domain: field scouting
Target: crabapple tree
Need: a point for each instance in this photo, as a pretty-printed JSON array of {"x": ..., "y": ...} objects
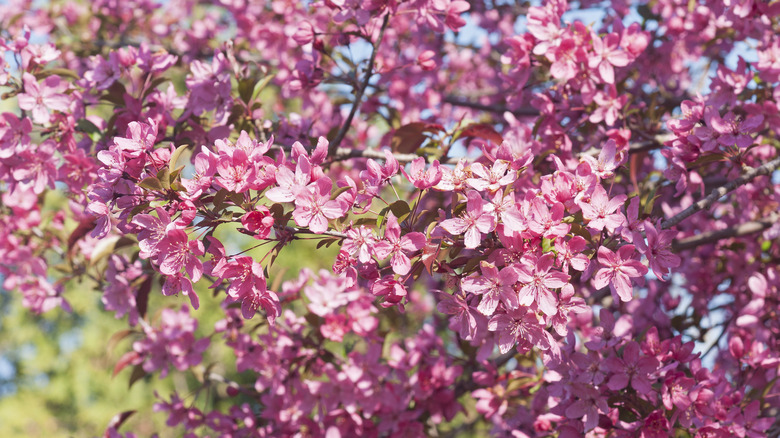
[{"x": 526, "y": 219}]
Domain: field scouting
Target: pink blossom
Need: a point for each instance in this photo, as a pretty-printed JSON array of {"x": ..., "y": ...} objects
[
  {"x": 235, "y": 171},
  {"x": 361, "y": 241},
  {"x": 609, "y": 106},
  {"x": 461, "y": 312},
  {"x": 519, "y": 326},
  {"x": 43, "y": 98},
  {"x": 607, "y": 54},
  {"x": 631, "y": 367},
  {"x": 617, "y": 271},
  {"x": 390, "y": 289},
  {"x": 248, "y": 285},
  {"x": 475, "y": 222},
  {"x": 571, "y": 253},
  {"x": 606, "y": 163},
  {"x": 538, "y": 282},
  {"x": 493, "y": 179},
  {"x": 494, "y": 286},
  {"x": 658, "y": 250},
  {"x": 396, "y": 246},
  {"x": 313, "y": 206},
  {"x": 258, "y": 221},
  {"x": 546, "y": 222},
  {"x": 176, "y": 251},
  {"x": 602, "y": 212},
  {"x": 422, "y": 178}
]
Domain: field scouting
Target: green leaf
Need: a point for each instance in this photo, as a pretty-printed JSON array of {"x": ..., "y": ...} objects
[
  {"x": 245, "y": 89},
  {"x": 175, "y": 157},
  {"x": 164, "y": 177},
  {"x": 399, "y": 208},
  {"x": 151, "y": 183},
  {"x": 89, "y": 128},
  {"x": 103, "y": 248},
  {"x": 260, "y": 85},
  {"x": 59, "y": 72}
]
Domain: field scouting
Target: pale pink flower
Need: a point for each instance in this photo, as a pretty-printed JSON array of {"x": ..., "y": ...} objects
[
  {"x": 360, "y": 241},
  {"x": 602, "y": 212},
  {"x": 492, "y": 179},
  {"x": 422, "y": 178},
  {"x": 397, "y": 246},
  {"x": 474, "y": 223},
  {"x": 539, "y": 281},
  {"x": 495, "y": 286},
  {"x": 290, "y": 185},
  {"x": 43, "y": 98},
  {"x": 313, "y": 206}
]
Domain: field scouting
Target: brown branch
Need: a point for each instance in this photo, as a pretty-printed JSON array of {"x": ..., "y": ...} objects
[
  {"x": 744, "y": 229},
  {"x": 346, "y": 153},
  {"x": 453, "y": 100},
  {"x": 334, "y": 145},
  {"x": 721, "y": 191}
]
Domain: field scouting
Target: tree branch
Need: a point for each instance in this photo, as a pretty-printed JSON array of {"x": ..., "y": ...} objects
[
  {"x": 721, "y": 191},
  {"x": 747, "y": 228},
  {"x": 334, "y": 145},
  {"x": 453, "y": 100}
]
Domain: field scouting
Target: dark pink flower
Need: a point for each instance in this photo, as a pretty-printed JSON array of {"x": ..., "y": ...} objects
[
  {"x": 258, "y": 221},
  {"x": 392, "y": 291},
  {"x": 631, "y": 367},
  {"x": 658, "y": 250},
  {"x": 176, "y": 251},
  {"x": 520, "y": 326},
  {"x": 456, "y": 306},
  {"x": 617, "y": 271}
]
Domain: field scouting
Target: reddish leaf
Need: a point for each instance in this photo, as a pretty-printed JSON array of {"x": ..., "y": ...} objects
[
  {"x": 117, "y": 420},
  {"x": 126, "y": 359},
  {"x": 429, "y": 255},
  {"x": 408, "y": 138},
  {"x": 84, "y": 227},
  {"x": 116, "y": 338},
  {"x": 142, "y": 296},
  {"x": 483, "y": 131},
  {"x": 138, "y": 374}
]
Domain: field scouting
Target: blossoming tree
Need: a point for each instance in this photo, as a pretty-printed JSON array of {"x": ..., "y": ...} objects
[{"x": 539, "y": 219}]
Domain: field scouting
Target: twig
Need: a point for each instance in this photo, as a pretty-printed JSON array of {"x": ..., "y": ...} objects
[
  {"x": 721, "y": 191},
  {"x": 296, "y": 230},
  {"x": 453, "y": 100},
  {"x": 334, "y": 145},
  {"x": 714, "y": 236}
]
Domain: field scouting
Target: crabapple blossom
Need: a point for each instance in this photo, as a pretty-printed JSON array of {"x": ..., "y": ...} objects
[{"x": 242, "y": 160}]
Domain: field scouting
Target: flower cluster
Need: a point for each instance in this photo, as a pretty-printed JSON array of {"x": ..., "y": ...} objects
[{"x": 512, "y": 226}]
